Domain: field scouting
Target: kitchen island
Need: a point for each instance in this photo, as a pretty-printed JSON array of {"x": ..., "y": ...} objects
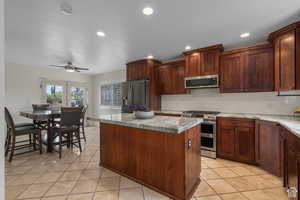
[{"x": 162, "y": 153}]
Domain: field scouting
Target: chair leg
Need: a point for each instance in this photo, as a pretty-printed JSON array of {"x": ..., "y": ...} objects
[
  {"x": 30, "y": 139},
  {"x": 40, "y": 143},
  {"x": 83, "y": 133},
  {"x": 7, "y": 145},
  {"x": 78, "y": 138},
  {"x": 12, "y": 148},
  {"x": 60, "y": 144},
  {"x": 34, "y": 142}
]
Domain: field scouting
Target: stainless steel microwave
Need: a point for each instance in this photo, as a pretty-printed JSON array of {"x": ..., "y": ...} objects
[{"x": 202, "y": 82}]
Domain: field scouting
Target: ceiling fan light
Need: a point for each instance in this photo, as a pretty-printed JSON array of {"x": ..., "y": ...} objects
[{"x": 70, "y": 70}]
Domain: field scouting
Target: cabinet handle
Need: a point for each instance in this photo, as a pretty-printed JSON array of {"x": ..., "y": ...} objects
[{"x": 189, "y": 143}]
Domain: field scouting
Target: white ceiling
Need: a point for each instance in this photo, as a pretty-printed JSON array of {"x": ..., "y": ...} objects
[{"x": 38, "y": 34}]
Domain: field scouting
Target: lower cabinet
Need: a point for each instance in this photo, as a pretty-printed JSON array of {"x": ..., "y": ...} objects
[
  {"x": 291, "y": 161},
  {"x": 236, "y": 139},
  {"x": 267, "y": 147}
]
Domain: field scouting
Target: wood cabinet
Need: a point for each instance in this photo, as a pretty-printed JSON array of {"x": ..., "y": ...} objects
[
  {"x": 291, "y": 160},
  {"x": 287, "y": 60},
  {"x": 267, "y": 147},
  {"x": 247, "y": 70},
  {"x": 171, "y": 77},
  {"x": 146, "y": 69},
  {"x": 202, "y": 62},
  {"x": 231, "y": 73},
  {"x": 167, "y": 163},
  {"x": 235, "y": 139}
]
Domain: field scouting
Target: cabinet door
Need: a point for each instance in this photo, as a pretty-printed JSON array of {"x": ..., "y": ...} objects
[
  {"x": 259, "y": 71},
  {"x": 225, "y": 142},
  {"x": 285, "y": 62},
  {"x": 298, "y": 59},
  {"x": 163, "y": 78},
  {"x": 267, "y": 151},
  {"x": 231, "y": 73},
  {"x": 193, "y": 65},
  {"x": 210, "y": 62},
  {"x": 244, "y": 144},
  {"x": 179, "y": 78}
]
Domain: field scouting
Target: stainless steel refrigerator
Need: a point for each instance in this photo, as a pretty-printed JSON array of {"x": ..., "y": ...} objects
[{"x": 135, "y": 95}]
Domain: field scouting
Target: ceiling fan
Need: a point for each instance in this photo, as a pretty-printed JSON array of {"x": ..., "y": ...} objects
[{"x": 69, "y": 67}]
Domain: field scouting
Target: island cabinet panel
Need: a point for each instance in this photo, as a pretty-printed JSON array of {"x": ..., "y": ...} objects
[
  {"x": 171, "y": 77},
  {"x": 247, "y": 70},
  {"x": 167, "y": 163},
  {"x": 268, "y": 148},
  {"x": 236, "y": 139},
  {"x": 203, "y": 62}
]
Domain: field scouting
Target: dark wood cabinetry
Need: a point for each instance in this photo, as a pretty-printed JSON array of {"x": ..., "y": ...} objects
[
  {"x": 236, "y": 139},
  {"x": 247, "y": 70},
  {"x": 202, "y": 62},
  {"x": 291, "y": 160},
  {"x": 146, "y": 69},
  {"x": 171, "y": 77},
  {"x": 167, "y": 163},
  {"x": 231, "y": 73},
  {"x": 267, "y": 147},
  {"x": 287, "y": 59}
]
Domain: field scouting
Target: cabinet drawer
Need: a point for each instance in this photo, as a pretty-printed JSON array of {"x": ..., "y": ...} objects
[{"x": 236, "y": 122}]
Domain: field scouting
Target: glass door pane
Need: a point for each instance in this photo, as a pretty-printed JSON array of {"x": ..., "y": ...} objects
[
  {"x": 55, "y": 94},
  {"x": 77, "y": 96}
]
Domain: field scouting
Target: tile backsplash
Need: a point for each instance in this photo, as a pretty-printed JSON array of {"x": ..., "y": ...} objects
[{"x": 212, "y": 100}]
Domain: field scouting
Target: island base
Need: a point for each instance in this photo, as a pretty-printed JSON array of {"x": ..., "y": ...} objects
[{"x": 167, "y": 163}]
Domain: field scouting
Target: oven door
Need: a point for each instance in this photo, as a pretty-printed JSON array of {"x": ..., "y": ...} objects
[{"x": 208, "y": 136}]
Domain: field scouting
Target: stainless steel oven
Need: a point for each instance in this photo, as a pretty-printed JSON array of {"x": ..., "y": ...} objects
[{"x": 208, "y": 132}]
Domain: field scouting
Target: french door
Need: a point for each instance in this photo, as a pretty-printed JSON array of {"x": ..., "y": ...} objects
[{"x": 63, "y": 93}]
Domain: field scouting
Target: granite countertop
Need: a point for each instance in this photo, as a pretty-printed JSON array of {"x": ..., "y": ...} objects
[
  {"x": 174, "y": 125},
  {"x": 292, "y": 123}
]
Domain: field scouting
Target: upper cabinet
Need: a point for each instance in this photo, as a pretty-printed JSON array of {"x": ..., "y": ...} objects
[
  {"x": 247, "y": 70},
  {"x": 171, "y": 77},
  {"x": 146, "y": 69},
  {"x": 202, "y": 62},
  {"x": 287, "y": 57}
]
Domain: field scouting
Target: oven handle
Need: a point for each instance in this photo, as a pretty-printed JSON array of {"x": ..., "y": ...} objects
[{"x": 207, "y": 135}]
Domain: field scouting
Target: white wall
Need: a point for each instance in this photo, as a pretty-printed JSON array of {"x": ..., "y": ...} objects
[
  {"x": 106, "y": 78},
  {"x": 23, "y": 85},
  {"x": 211, "y": 99},
  {"x": 2, "y": 94}
]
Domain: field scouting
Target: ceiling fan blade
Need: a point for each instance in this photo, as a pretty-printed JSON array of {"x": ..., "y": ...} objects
[
  {"x": 57, "y": 66},
  {"x": 79, "y": 68}
]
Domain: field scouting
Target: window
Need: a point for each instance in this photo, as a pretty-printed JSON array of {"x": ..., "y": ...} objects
[
  {"x": 55, "y": 94},
  {"x": 77, "y": 96},
  {"x": 111, "y": 94}
]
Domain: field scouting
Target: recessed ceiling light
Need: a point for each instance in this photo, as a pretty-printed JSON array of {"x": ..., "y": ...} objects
[
  {"x": 148, "y": 11},
  {"x": 187, "y": 47},
  {"x": 101, "y": 34},
  {"x": 150, "y": 57},
  {"x": 244, "y": 35}
]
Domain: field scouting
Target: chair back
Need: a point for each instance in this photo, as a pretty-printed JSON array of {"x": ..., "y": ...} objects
[
  {"x": 40, "y": 107},
  {"x": 9, "y": 120},
  {"x": 70, "y": 116},
  {"x": 84, "y": 109}
]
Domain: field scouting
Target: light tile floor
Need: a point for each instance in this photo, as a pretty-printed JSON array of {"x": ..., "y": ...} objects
[{"x": 78, "y": 177}]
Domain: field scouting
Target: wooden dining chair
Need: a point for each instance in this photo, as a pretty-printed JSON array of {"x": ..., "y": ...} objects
[
  {"x": 42, "y": 124},
  {"x": 14, "y": 132},
  {"x": 82, "y": 121},
  {"x": 68, "y": 128}
]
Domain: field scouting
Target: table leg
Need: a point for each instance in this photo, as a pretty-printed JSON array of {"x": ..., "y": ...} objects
[{"x": 49, "y": 137}]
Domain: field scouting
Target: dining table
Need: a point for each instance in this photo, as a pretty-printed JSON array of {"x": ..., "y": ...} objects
[{"x": 45, "y": 115}]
